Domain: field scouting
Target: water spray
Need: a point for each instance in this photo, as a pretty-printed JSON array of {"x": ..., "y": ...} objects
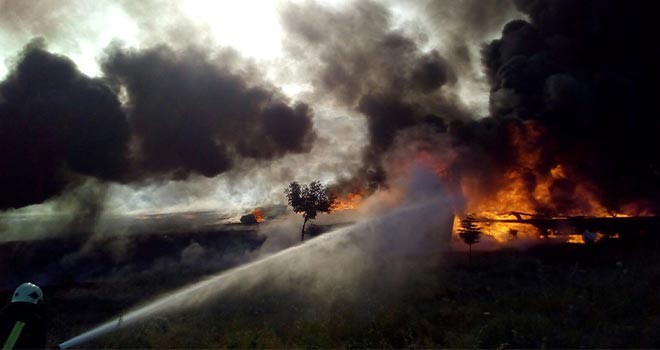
[
  {"x": 214, "y": 285},
  {"x": 178, "y": 297}
]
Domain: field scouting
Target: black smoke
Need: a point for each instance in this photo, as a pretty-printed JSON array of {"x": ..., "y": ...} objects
[
  {"x": 586, "y": 73},
  {"x": 191, "y": 116},
  {"x": 464, "y": 26},
  {"x": 182, "y": 114},
  {"x": 56, "y": 122},
  {"x": 574, "y": 83},
  {"x": 357, "y": 60}
]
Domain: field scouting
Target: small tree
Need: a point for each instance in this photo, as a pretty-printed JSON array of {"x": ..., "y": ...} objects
[
  {"x": 469, "y": 232},
  {"x": 309, "y": 200}
]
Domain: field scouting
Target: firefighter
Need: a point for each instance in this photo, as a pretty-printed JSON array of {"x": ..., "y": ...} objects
[{"x": 21, "y": 322}]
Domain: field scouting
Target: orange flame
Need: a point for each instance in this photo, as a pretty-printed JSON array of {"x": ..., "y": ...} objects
[
  {"x": 529, "y": 186},
  {"x": 350, "y": 202},
  {"x": 258, "y": 215}
]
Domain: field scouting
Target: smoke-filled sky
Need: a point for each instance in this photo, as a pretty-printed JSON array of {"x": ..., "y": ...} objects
[
  {"x": 207, "y": 104},
  {"x": 189, "y": 105}
]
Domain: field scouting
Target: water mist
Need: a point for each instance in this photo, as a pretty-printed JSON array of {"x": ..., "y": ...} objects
[{"x": 418, "y": 226}]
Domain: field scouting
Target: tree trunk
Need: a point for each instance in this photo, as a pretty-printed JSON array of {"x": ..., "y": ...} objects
[
  {"x": 470, "y": 255},
  {"x": 302, "y": 232}
]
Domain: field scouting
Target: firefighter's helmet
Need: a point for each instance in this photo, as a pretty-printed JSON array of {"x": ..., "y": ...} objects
[{"x": 27, "y": 293}]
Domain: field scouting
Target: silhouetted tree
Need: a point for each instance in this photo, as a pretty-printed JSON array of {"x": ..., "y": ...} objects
[
  {"x": 469, "y": 232},
  {"x": 309, "y": 200}
]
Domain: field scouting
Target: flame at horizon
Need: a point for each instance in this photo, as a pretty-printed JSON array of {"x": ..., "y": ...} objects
[{"x": 258, "y": 215}]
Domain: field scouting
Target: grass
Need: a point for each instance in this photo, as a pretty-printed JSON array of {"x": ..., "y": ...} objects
[{"x": 562, "y": 296}]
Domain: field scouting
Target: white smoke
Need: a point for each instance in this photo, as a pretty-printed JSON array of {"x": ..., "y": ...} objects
[{"x": 419, "y": 227}]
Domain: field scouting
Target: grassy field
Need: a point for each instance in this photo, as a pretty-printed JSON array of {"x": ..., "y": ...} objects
[{"x": 559, "y": 296}]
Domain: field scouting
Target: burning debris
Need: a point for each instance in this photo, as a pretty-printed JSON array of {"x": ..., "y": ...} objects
[
  {"x": 255, "y": 217},
  {"x": 577, "y": 229},
  {"x": 258, "y": 215}
]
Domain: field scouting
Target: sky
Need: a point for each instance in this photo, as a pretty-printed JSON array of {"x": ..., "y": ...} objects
[{"x": 262, "y": 41}]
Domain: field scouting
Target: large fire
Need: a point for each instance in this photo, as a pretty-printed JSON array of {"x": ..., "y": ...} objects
[
  {"x": 531, "y": 196},
  {"x": 530, "y": 189}
]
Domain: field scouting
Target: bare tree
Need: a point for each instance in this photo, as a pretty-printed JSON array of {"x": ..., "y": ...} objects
[
  {"x": 469, "y": 232},
  {"x": 309, "y": 200}
]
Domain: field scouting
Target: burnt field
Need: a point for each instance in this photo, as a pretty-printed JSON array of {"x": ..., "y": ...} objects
[
  {"x": 77, "y": 259},
  {"x": 88, "y": 278},
  {"x": 559, "y": 295}
]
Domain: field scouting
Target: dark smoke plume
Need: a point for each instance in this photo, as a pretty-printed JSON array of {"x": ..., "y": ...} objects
[
  {"x": 357, "y": 60},
  {"x": 189, "y": 115},
  {"x": 586, "y": 74},
  {"x": 464, "y": 26},
  {"x": 54, "y": 121},
  {"x": 575, "y": 84},
  {"x": 183, "y": 115}
]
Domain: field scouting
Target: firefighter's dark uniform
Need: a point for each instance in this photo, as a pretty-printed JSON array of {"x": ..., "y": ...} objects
[{"x": 22, "y": 327}]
